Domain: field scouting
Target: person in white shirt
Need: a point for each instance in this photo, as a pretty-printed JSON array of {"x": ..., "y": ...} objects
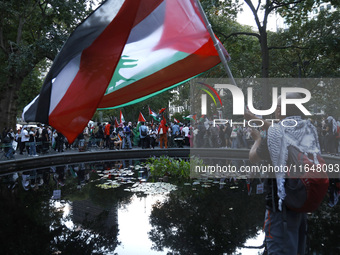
[
  {"x": 186, "y": 131},
  {"x": 24, "y": 138}
]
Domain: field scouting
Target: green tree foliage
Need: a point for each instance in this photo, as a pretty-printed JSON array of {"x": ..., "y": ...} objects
[
  {"x": 267, "y": 57},
  {"x": 253, "y": 52},
  {"x": 30, "y": 87},
  {"x": 245, "y": 51},
  {"x": 297, "y": 12},
  {"x": 30, "y": 32},
  {"x": 224, "y": 8},
  {"x": 309, "y": 50},
  {"x": 182, "y": 94},
  {"x": 261, "y": 12}
]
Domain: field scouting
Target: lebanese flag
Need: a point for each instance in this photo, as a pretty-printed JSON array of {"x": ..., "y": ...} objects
[
  {"x": 141, "y": 118},
  {"x": 121, "y": 117},
  {"x": 175, "y": 120},
  {"x": 125, "y": 46}
]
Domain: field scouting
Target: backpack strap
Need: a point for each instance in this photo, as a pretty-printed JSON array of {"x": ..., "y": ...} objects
[{"x": 273, "y": 196}]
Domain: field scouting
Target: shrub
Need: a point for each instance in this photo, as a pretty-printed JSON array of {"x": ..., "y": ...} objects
[{"x": 166, "y": 166}]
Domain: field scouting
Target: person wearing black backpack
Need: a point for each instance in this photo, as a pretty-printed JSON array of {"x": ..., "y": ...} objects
[
  {"x": 285, "y": 227},
  {"x": 143, "y": 132}
]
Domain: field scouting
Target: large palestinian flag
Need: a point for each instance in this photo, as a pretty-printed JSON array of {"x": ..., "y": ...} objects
[{"x": 124, "y": 52}]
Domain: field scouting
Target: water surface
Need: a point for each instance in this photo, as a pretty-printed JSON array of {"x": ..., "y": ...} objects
[{"x": 98, "y": 214}]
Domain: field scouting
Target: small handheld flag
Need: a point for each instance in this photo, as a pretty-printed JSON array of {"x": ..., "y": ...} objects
[
  {"x": 116, "y": 123},
  {"x": 154, "y": 115},
  {"x": 141, "y": 118},
  {"x": 162, "y": 110},
  {"x": 190, "y": 117},
  {"x": 122, "y": 120}
]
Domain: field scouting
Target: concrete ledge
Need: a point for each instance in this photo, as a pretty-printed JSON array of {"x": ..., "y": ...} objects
[
  {"x": 72, "y": 157},
  {"x": 48, "y": 160}
]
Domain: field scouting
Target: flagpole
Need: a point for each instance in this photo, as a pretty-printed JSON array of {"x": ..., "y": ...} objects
[{"x": 216, "y": 42}]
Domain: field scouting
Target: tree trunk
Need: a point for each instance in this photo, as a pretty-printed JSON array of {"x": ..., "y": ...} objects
[
  {"x": 8, "y": 105},
  {"x": 265, "y": 68},
  {"x": 264, "y": 54}
]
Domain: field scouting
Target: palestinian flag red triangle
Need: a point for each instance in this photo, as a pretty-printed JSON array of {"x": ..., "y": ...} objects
[{"x": 141, "y": 117}]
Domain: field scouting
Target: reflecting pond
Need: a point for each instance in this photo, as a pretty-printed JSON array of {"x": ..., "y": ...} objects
[{"x": 116, "y": 208}]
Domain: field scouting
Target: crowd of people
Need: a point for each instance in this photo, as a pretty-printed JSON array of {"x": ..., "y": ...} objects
[
  {"x": 266, "y": 144},
  {"x": 39, "y": 139}
]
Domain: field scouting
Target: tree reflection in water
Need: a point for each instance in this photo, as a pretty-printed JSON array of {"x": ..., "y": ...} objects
[
  {"x": 206, "y": 220},
  {"x": 324, "y": 230},
  {"x": 31, "y": 224},
  {"x": 191, "y": 220}
]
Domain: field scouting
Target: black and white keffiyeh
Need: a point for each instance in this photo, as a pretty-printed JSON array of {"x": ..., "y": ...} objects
[
  {"x": 290, "y": 131},
  {"x": 330, "y": 119}
]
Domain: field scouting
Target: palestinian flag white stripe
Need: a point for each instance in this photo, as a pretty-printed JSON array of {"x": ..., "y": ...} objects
[{"x": 62, "y": 82}]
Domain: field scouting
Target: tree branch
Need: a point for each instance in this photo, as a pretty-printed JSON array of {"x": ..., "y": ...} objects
[
  {"x": 30, "y": 12},
  {"x": 254, "y": 247},
  {"x": 258, "y": 6},
  {"x": 20, "y": 26},
  {"x": 252, "y": 8},
  {"x": 278, "y": 5},
  {"x": 22, "y": 20},
  {"x": 287, "y": 47},
  {"x": 2, "y": 45},
  {"x": 240, "y": 33}
]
